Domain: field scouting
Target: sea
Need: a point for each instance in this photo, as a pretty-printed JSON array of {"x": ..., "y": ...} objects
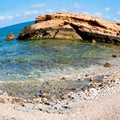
[{"x": 22, "y": 60}]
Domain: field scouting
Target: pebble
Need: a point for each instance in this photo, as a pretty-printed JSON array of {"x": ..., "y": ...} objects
[
  {"x": 1, "y": 92},
  {"x": 44, "y": 99},
  {"x": 8, "y": 118},
  {"x": 62, "y": 78},
  {"x": 92, "y": 92},
  {"x": 115, "y": 55},
  {"x": 64, "y": 97},
  {"x": 91, "y": 79},
  {"x": 47, "y": 103},
  {"x": 16, "y": 100},
  {"x": 107, "y": 65},
  {"x": 37, "y": 101},
  {"x": 2, "y": 100},
  {"x": 66, "y": 107},
  {"x": 93, "y": 41}
]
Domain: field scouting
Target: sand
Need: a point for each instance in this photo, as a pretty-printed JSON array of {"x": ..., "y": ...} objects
[{"x": 106, "y": 106}]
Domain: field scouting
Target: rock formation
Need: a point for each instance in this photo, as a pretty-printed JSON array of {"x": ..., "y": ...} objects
[
  {"x": 72, "y": 26},
  {"x": 10, "y": 37}
]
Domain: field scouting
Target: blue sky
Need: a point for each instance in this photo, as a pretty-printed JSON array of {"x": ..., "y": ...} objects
[{"x": 17, "y": 11}]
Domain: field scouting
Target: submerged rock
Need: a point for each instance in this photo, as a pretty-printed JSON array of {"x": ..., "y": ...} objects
[
  {"x": 93, "y": 41},
  {"x": 115, "y": 55},
  {"x": 107, "y": 65},
  {"x": 72, "y": 26}
]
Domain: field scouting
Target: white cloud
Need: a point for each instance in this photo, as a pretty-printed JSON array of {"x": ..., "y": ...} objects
[
  {"x": 98, "y": 14},
  {"x": 10, "y": 17},
  {"x": 6, "y": 17},
  {"x": 118, "y": 12},
  {"x": 49, "y": 10},
  {"x": 27, "y": 13},
  {"x": 116, "y": 20},
  {"x": 64, "y": 10},
  {"x": 34, "y": 12},
  {"x": 17, "y": 15},
  {"x": 107, "y": 17},
  {"x": 76, "y": 5},
  {"x": 85, "y": 12},
  {"x": 2, "y": 17},
  {"x": 107, "y": 9},
  {"x": 38, "y": 5}
]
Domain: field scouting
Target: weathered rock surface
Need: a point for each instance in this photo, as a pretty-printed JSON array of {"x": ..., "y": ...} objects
[{"x": 72, "y": 26}]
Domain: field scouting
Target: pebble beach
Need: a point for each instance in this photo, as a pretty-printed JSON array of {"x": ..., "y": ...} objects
[{"x": 100, "y": 101}]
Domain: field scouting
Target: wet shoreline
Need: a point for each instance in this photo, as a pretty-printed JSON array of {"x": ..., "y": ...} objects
[{"x": 93, "y": 76}]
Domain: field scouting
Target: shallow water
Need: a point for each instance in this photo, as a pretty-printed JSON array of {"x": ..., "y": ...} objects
[
  {"x": 27, "y": 66},
  {"x": 38, "y": 59}
]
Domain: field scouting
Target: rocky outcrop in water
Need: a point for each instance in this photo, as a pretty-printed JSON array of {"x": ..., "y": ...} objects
[
  {"x": 72, "y": 26},
  {"x": 10, "y": 37}
]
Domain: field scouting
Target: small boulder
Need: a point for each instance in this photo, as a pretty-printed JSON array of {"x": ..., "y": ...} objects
[
  {"x": 64, "y": 97},
  {"x": 16, "y": 100},
  {"x": 91, "y": 79},
  {"x": 115, "y": 55},
  {"x": 107, "y": 65},
  {"x": 62, "y": 78},
  {"x": 92, "y": 92},
  {"x": 93, "y": 41},
  {"x": 10, "y": 37},
  {"x": 2, "y": 100}
]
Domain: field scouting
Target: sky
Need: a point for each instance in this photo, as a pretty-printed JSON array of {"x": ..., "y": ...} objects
[{"x": 18, "y": 11}]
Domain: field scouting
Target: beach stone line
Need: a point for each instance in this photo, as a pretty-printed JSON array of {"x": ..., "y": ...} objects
[
  {"x": 64, "y": 25},
  {"x": 10, "y": 37}
]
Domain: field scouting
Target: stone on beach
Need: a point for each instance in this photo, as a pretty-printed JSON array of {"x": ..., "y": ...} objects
[{"x": 2, "y": 100}]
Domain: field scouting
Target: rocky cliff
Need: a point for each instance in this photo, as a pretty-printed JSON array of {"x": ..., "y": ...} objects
[{"x": 72, "y": 26}]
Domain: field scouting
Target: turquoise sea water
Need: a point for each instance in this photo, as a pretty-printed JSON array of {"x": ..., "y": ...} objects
[{"x": 24, "y": 60}]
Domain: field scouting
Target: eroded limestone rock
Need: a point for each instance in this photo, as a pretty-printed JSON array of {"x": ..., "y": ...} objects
[{"x": 72, "y": 26}]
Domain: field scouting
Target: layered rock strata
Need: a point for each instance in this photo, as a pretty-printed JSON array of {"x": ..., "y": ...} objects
[{"x": 72, "y": 26}]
